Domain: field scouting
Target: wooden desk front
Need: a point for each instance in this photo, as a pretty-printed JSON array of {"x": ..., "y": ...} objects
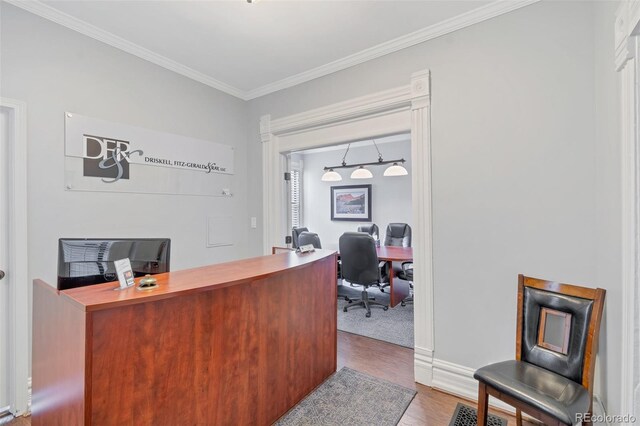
[{"x": 223, "y": 344}]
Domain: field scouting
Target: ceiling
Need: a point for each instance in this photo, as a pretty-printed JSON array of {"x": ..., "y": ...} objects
[{"x": 249, "y": 50}]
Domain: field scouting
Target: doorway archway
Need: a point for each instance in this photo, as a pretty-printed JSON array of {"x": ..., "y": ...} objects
[{"x": 400, "y": 110}]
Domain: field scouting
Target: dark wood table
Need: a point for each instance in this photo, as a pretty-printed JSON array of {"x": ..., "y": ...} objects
[{"x": 395, "y": 254}]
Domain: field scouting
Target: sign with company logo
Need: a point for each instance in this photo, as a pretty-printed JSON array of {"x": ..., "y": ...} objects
[{"x": 106, "y": 156}]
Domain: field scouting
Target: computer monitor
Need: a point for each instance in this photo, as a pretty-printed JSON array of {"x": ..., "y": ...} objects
[{"x": 88, "y": 261}]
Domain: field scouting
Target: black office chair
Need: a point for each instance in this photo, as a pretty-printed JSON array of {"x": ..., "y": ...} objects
[
  {"x": 407, "y": 274},
  {"x": 295, "y": 233},
  {"x": 399, "y": 235},
  {"x": 309, "y": 238},
  {"x": 371, "y": 230},
  {"x": 360, "y": 266}
]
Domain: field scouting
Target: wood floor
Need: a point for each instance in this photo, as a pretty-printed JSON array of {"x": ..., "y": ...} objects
[{"x": 395, "y": 364}]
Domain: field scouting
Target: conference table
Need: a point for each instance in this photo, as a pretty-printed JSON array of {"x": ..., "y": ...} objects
[{"x": 390, "y": 254}]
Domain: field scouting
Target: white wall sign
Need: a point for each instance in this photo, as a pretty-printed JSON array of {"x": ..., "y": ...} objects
[{"x": 106, "y": 156}]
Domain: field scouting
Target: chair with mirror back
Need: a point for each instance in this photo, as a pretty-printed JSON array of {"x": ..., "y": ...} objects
[{"x": 551, "y": 378}]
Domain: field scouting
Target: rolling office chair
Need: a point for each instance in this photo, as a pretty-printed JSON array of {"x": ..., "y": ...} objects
[
  {"x": 309, "y": 238},
  {"x": 407, "y": 274},
  {"x": 295, "y": 233},
  {"x": 371, "y": 230},
  {"x": 360, "y": 266},
  {"x": 399, "y": 235},
  {"x": 556, "y": 345}
]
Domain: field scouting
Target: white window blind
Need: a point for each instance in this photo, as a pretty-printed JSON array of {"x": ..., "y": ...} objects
[{"x": 296, "y": 198}]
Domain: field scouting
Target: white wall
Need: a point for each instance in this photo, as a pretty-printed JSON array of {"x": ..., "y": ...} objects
[
  {"x": 516, "y": 168},
  {"x": 391, "y": 195},
  {"x": 54, "y": 69}
]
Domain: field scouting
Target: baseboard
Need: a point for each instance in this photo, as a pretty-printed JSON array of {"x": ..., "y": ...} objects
[
  {"x": 458, "y": 380},
  {"x": 423, "y": 366}
]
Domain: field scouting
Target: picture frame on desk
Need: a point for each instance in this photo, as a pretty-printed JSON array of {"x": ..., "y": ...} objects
[{"x": 351, "y": 203}]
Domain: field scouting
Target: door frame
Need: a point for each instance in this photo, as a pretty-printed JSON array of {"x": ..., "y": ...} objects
[
  {"x": 627, "y": 38},
  {"x": 19, "y": 329},
  {"x": 400, "y": 110}
]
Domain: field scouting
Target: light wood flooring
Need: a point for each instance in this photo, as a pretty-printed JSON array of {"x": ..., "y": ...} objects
[{"x": 395, "y": 364}]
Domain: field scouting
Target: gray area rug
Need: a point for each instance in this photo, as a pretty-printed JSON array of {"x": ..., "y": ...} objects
[
  {"x": 394, "y": 325},
  {"x": 351, "y": 398},
  {"x": 468, "y": 416}
]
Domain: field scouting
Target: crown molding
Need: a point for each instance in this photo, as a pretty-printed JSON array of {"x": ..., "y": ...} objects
[
  {"x": 464, "y": 20},
  {"x": 54, "y": 15},
  {"x": 456, "y": 23}
]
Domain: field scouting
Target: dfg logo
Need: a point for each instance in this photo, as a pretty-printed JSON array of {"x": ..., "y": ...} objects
[{"x": 107, "y": 158}]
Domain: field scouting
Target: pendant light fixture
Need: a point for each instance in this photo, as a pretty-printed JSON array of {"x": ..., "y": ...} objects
[{"x": 360, "y": 172}]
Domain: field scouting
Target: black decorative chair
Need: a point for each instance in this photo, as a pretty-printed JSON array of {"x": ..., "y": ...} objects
[
  {"x": 551, "y": 378},
  {"x": 360, "y": 266},
  {"x": 295, "y": 233}
]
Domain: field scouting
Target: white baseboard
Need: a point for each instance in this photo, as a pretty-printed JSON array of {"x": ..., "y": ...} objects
[
  {"x": 423, "y": 366},
  {"x": 458, "y": 380}
]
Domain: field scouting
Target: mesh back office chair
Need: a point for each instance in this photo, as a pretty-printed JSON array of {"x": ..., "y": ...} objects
[
  {"x": 295, "y": 233},
  {"x": 360, "y": 266},
  {"x": 556, "y": 345}
]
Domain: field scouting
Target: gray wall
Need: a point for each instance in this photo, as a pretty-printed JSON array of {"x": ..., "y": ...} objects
[
  {"x": 391, "y": 196},
  {"x": 517, "y": 178},
  {"x": 55, "y": 70}
]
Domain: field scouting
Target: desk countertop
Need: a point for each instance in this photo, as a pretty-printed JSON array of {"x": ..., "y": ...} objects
[{"x": 171, "y": 284}]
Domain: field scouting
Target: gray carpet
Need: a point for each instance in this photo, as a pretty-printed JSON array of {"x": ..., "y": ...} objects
[
  {"x": 468, "y": 416},
  {"x": 394, "y": 325},
  {"x": 351, "y": 398}
]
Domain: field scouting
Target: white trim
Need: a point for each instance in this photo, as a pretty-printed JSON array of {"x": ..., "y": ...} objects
[
  {"x": 447, "y": 26},
  {"x": 400, "y": 110},
  {"x": 458, "y": 380},
  {"x": 19, "y": 285},
  {"x": 627, "y": 29},
  {"x": 480, "y": 14}
]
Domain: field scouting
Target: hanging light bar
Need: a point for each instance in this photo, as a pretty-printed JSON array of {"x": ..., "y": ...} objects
[{"x": 360, "y": 171}]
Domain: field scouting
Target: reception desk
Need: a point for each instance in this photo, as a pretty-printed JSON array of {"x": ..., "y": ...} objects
[{"x": 237, "y": 343}]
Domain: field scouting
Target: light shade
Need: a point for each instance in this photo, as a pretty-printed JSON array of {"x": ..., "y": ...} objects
[
  {"x": 395, "y": 170},
  {"x": 361, "y": 173},
  {"x": 331, "y": 176}
]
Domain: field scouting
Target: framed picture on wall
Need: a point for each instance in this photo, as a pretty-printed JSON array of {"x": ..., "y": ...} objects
[{"x": 351, "y": 202}]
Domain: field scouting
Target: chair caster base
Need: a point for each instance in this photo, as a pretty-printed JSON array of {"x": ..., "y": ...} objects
[
  {"x": 385, "y": 308},
  {"x": 368, "y": 315}
]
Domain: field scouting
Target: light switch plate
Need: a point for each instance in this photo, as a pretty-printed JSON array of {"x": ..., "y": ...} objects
[{"x": 254, "y": 222}]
